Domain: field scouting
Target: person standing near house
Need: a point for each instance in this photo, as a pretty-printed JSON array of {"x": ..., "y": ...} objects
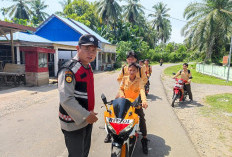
[{"x": 76, "y": 93}]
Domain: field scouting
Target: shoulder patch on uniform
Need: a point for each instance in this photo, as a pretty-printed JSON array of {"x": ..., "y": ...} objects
[{"x": 68, "y": 76}]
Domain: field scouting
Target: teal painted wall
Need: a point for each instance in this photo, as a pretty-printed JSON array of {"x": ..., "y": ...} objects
[{"x": 214, "y": 70}]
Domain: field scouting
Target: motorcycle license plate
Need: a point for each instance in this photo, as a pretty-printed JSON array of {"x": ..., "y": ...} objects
[{"x": 119, "y": 120}]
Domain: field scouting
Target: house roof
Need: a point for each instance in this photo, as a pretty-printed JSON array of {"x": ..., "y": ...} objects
[
  {"x": 7, "y": 26},
  {"x": 21, "y": 36},
  {"x": 90, "y": 31},
  {"x": 76, "y": 26},
  {"x": 69, "y": 43}
]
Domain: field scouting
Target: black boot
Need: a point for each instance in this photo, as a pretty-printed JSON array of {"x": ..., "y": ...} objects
[
  {"x": 144, "y": 145},
  {"x": 107, "y": 139}
]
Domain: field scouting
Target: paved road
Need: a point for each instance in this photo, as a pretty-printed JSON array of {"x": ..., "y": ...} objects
[{"x": 35, "y": 130}]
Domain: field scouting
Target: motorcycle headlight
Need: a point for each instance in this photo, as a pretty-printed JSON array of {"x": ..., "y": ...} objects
[
  {"x": 110, "y": 127},
  {"x": 126, "y": 129}
]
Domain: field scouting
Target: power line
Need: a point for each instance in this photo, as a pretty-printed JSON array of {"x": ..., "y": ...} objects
[{"x": 167, "y": 17}]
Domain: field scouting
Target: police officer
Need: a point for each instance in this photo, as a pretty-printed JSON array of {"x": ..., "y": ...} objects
[{"x": 76, "y": 93}]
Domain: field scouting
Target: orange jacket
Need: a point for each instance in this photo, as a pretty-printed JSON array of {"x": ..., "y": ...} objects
[
  {"x": 143, "y": 75},
  {"x": 132, "y": 89}
]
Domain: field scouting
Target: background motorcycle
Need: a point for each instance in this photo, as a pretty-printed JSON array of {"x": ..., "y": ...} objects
[
  {"x": 147, "y": 87},
  {"x": 122, "y": 123},
  {"x": 177, "y": 90}
]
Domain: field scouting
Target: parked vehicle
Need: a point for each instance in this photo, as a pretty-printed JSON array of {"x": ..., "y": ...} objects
[
  {"x": 177, "y": 90},
  {"x": 122, "y": 123}
]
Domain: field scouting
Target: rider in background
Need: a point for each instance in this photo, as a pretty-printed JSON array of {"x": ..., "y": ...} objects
[
  {"x": 142, "y": 65},
  {"x": 161, "y": 62},
  {"x": 131, "y": 87},
  {"x": 185, "y": 75},
  {"x": 148, "y": 68}
]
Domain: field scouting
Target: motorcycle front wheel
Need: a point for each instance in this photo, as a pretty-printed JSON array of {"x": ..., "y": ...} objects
[
  {"x": 174, "y": 99},
  {"x": 119, "y": 152}
]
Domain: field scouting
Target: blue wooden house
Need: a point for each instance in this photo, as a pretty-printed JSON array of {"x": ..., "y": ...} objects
[{"x": 65, "y": 33}]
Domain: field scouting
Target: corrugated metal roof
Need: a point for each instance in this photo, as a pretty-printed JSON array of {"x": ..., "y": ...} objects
[
  {"x": 89, "y": 31},
  {"x": 69, "y": 43},
  {"x": 26, "y": 37}
]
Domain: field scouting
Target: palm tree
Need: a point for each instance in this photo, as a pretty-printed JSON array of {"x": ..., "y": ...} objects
[
  {"x": 161, "y": 22},
  {"x": 165, "y": 32},
  {"x": 133, "y": 12},
  {"x": 37, "y": 7},
  {"x": 108, "y": 10},
  {"x": 208, "y": 25},
  {"x": 64, "y": 3},
  {"x": 18, "y": 10}
]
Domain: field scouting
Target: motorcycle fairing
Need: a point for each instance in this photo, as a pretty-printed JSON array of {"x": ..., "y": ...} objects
[{"x": 121, "y": 106}]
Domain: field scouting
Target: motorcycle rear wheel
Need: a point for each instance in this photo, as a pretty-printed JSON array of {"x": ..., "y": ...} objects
[{"x": 173, "y": 100}]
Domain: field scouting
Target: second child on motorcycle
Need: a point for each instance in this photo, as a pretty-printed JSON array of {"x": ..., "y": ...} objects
[
  {"x": 132, "y": 58},
  {"x": 185, "y": 75}
]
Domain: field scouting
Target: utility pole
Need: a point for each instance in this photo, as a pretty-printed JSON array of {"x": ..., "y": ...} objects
[{"x": 228, "y": 73}]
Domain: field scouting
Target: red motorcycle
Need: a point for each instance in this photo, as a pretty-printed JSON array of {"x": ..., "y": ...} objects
[{"x": 177, "y": 90}]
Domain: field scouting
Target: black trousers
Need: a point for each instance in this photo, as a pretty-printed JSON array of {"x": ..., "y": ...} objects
[
  {"x": 188, "y": 89},
  {"x": 78, "y": 142},
  {"x": 142, "y": 123}
]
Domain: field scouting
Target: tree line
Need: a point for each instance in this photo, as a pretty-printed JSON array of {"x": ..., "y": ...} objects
[{"x": 207, "y": 31}]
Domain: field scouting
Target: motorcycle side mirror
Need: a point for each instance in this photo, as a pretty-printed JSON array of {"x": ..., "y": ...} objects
[
  {"x": 173, "y": 73},
  {"x": 103, "y": 97}
]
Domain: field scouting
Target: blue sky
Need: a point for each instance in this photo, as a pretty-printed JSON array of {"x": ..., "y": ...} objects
[{"x": 177, "y": 9}]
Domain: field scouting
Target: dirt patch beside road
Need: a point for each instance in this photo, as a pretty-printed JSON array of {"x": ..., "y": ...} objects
[
  {"x": 15, "y": 99},
  {"x": 210, "y": 132}
]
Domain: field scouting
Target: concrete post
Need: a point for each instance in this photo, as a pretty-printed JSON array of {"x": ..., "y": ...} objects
[
  {"x": 56, "y": 59},
  {"x": 228, "y": 73},
  {"x": 97, "y": 61},
  {"x": 18, "y": 54}
]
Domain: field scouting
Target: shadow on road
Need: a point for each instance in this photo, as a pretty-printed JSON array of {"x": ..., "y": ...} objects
[
  {"x": 187, "y": 104},
  {"x": 153, "y": 97},
  {"x": 156, "y": 146}
]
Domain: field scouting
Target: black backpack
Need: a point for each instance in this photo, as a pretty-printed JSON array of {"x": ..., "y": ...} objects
[{"x": 182, "y": 70}]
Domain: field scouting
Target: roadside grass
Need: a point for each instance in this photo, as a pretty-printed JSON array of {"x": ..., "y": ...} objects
[
  {"x": 221, "y": 102},
  {"x": 218, "y": 106},
  {"x": 197, "y": 77},
  {"x": 154, "y": 63}
]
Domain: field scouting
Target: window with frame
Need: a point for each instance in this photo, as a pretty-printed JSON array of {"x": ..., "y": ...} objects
[{"x": 43, "y": 60}]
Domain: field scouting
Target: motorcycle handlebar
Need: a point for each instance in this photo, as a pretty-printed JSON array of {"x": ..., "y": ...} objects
[{"x": 180, "y": 79}]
